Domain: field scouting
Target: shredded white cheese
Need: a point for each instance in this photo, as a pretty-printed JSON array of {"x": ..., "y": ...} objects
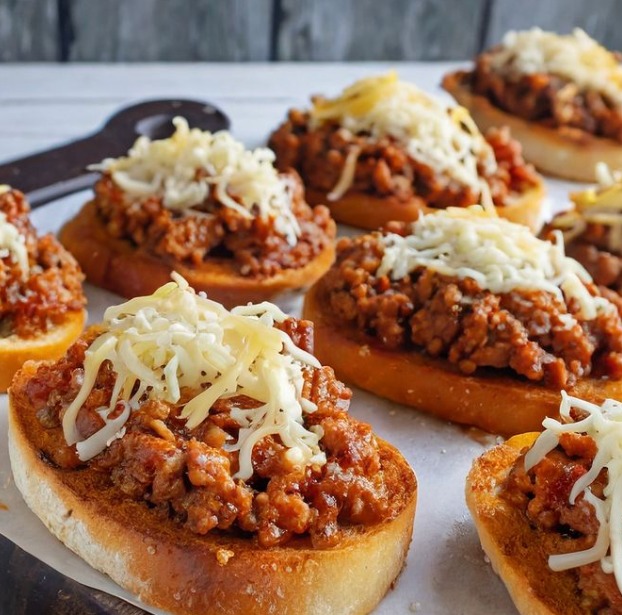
[
  {"x": 175, "y": 342},
  {"x": 347, "y": 175},
  {"x": 604, "y": 424},
  {"x": 576, "y": 57},
  {"x": 446, "y": 139},
  {"x": 499, "y": 255},
  {"x": 607, "y": 177},
  {"x": 600, "y": 205},
  {"x": 184, "y": 170},
  {"x": 13, "y": 243}
]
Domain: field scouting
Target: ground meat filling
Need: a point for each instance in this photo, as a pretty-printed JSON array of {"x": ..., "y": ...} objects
[
  {"x": 542, "y": 494},
  {"x": 531, "y": 333},
  {"x": 384, "y": 168},
  {"x": 52, "y": 287},
  {"x": 188, "y": 475},
  {"x": 592, "y": 251},
  {"x": 212, "y": 230},
  {"x": 544, "y": 98},
  {"x": 591, "y": 248}
]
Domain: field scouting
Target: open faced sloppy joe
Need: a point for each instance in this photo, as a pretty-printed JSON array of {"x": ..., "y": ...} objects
[
  {"x": 41, "y": 299},
  {"x": 561, "y": 95},
  {"x": 592, "y": 230},
  {"x": 468, "y": 316},
  {"x": 200, "y": 204},
  {"x": 547, "y": 510},
  {"x": 206, "y": 461},
  {"x": 384, "y": 150}
]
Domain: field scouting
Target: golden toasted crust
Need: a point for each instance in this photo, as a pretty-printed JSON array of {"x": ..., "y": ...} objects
[
  {"x": 570, "y": 153},
  {"x": 15, "y": 351},
  {"x": 219, "y": 573},
  {"x": 119, "y": 266},
  {"x": 496, "y": 403},
  {"x": 372, "y": 212},
  {"x": 518, "y": 554}
]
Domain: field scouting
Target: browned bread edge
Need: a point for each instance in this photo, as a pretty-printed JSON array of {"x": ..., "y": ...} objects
[
  {"x": 518, "y": 554},
  {"x": 219, "y": 573},
  {"x": 118, "y": 266},
  {"x": 498, "y": 403},
  {"x": 15, "y": 351},
  {"x": 372, "y": 212},
  {"x": 569, "y": 153}
]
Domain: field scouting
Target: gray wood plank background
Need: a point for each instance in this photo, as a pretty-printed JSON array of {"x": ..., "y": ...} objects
[
  {"x": 262, "y": 30},
  {"x": 372, "y": 30},
  {"x": 29, "y": 30},
  {"x": 599, "y": 18},
  {"x": 170, "y": 30}
]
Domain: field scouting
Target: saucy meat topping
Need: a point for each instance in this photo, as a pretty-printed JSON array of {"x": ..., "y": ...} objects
[
  {"x": 542, "y": 494},
  {"x": 188, "y": 475},
  {"x": 592, "y": 230},
  {"x": 592, "y": 247},
  {"x": 385, "y": 169},
  {"x": 532, "y": 333},
  {"x": 211, "y": 230},
  {"x": 31, "y": 302},
  {"x": 553, "y": 101},
  {"x": 592, "y": 251}
]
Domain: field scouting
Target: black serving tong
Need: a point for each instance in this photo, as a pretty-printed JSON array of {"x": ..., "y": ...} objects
[
  {"x": 30, "y": 587},
  {"x": 51, "y": 174}
]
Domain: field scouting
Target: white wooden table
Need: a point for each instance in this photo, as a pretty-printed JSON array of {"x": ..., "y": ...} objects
[{"x": 44, "y": 105}]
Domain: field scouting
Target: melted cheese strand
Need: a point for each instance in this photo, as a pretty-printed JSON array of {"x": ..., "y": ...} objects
[
  {"x": 576, "y": 57},
  {"x": 182, "y": 170},
  {"x": 488, "y": 205},
  {"x": 176, "y": 340},
  {"x": 347, "y": 175},
  {"x": 605, "y": 176},
  {"x": 499, "y": 255},
  {"x": 445, "y": 139},
  {"x": 566, "y": 561},
  {"x": 113, "y": 429},
  {"x": 266, "y": 420},
  {"x": 604, "y": 424},
  {"x": 547, "y": 441}
]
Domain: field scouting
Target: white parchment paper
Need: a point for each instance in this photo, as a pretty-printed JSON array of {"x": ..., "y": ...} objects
[{"x": 446, "y": 571}]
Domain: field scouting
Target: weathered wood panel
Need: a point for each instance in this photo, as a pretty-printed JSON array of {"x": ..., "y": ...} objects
[
  {"x": 599, "y": 18},
  {"x": 29, "y": 30},
  {"x": 372, "y": 30},
  {"x": 240, "y": 30},
  {"x": 170, "y": 30}
]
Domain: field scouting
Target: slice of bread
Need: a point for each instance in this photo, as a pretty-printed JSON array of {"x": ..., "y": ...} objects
[
  {"x": 565, "y": 152},
  {"x": 493, "y": 401},
  {"x": 15, "y": 351},
  {"x": 372, "y": 212},
  {"x": 119, "y": 266},
  {"x": 518, "y": 553},
  {"x": 169, "y": 567}
]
